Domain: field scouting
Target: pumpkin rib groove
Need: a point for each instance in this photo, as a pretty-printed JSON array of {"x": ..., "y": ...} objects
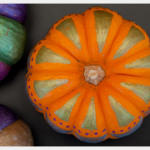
[
  {"x": 54, "y": 28},
  {"x": 128, "y": 106},
  {"x": 143, "y": 44},
  {"x": 106, "y": 55},
  {"x": 126, "y": 98},
  {"x": 75, "y": 57},
  {"x": 86, "y": 35},
  {"x": 72, "y": 91},
  {"x": 39, "y": 101},
  {"x": 52, "y": 43},
  {"x": 137, "y": 71},
  {"x": 51, "y": 71},
  {"x": 128, "y": 58},
  {"x": 86, "y": 15},
  {"x": 85, "y": 51},
  {"x": 121, "y": 93},
  {"x": 73, "y": 130},
  {"x": 126, "y": 74},
  {"x": 79, "y": 109},
  {"x": 55, "y": 44},
  {"x": 74, "y": 88},
  {"x": 55, "y": 75},
  {"x": 106, "y": 123},
  {"x": 115, "y": 16},
  {"x": 87, "y": 89},
  {"x": 141, "y": 81},
  {"x": 82, "y": 117},
  {"x": 106, "y": 126},
  {"x": 59, "y": 50},
  {"x": 52, "y": 106}
]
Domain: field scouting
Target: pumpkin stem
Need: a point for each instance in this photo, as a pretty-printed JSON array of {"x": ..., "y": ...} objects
[{"x": 93, "y": 74}]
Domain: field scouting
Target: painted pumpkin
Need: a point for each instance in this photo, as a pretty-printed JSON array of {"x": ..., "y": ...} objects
[
  {"x": 12, "y": 36},
  {"x": 90, "y": 75},
  {"x": 13, "y": 131}
]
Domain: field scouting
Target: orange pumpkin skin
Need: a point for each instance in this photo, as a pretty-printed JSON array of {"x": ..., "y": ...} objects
[{"x": 90, "y": 75}]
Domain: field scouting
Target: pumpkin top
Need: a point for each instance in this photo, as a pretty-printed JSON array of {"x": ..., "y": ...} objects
[{"x": 90, "y": 75}]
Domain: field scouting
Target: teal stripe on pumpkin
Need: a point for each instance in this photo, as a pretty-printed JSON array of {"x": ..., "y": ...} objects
[
  {"x": 12, "y": 40},
  {"x": 90, "y": 119},
  {"x": 123, "y": 116},
  {"x": 102, "y": 24},
  {"x": 44, "y": 87},
  {"x": 65, "y": 111},
  {"x": 143, "y": 91},
  {"x": 139, "y": 63},
  {"x": 134, "y": 36},
  {"x": 68, "y": 28},
  {"x": 46, "y": 55}
]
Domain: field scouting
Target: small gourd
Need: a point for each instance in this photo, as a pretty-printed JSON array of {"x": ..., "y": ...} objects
[
  {"x": 90, "y": 75},
  {"x": 12, "y": 36},
  {"x": 13, "y": 131}
]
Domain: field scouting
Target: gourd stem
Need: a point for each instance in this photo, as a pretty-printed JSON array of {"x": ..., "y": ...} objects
[{"x": 93, "y": 74}]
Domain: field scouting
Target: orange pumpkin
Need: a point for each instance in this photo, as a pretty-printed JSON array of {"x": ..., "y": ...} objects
[{"x": 90, "y": 75}]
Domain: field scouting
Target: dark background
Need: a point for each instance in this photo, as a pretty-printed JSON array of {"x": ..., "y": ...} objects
[{"x": 40, "y": 17}]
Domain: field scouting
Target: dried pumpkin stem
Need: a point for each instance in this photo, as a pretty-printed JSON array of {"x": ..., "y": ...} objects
[{"x": 93, "y": 74}]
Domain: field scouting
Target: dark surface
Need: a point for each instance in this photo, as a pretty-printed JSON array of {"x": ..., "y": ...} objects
[{"x": 12, "y": 90}]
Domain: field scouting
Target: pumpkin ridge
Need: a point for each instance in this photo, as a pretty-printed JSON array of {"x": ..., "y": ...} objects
[
  {"x": 142, "y": 51},
  {"x": 61, "y": 102},
  {"x": 77, "y": 95},
  {"x": 86, "y": 35},
  {"x": 106, "y": 55},
  {"x": 122, "y": 93},
  {"x": 51, "y": 69},
  {"x": 31, "y": 78},
  {"x": 115, "y": 15},
  {"x": 69, "y": 24},
  {"x": 124, "y": 30},
  {"x": 55, "y": 75},
  {"x": 60, "y": 99},
  {"x": 76, "y": 56},
  {"x": 88, "y": 89},
  {"x": 71, "y": 92},
  {"x": 56, "y": 45},
  {"x": 120, "y": 69},
  {"x": 129, "y": 106},
  {"x": 52, "y": 101},
  {"x": 70, "y": 55},
  {"x": 118, "y": 33},
  {"x": 55, "y": 48},
  {"x": 99, "y": 97},
  {"x": 50, "y": 42},
  {"x": 141, "y": 81},
  {"x": 82, "y": 99}
]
